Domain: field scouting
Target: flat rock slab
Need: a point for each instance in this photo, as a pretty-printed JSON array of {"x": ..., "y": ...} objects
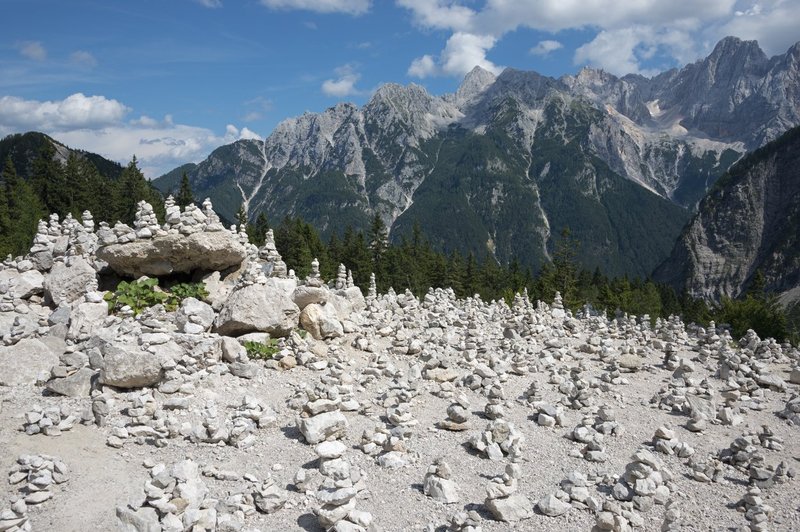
[{"x": 163, "y": 255}]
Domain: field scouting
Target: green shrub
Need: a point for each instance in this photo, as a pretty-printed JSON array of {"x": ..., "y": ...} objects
[
  {"x": 138, "y": 295},
  {"x": 262, "y": 350},
  {"x": 183, "y": 290}
]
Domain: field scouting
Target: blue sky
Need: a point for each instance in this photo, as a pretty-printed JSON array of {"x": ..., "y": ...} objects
[{"x": 170, "y": 80}]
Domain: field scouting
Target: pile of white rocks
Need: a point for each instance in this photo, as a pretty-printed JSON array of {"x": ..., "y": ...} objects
[
  {"x": 36, "y": 476},
  {"x": 438, "y": 483},
  {"x": 503, "y": 499},
  {"x": 499, "y": 439},
  {"x": 665, "y": 441},
  {"x": 50, "y": 421}
]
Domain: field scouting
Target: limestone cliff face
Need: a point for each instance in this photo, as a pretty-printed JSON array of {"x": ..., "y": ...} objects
[{"x": 750, "y": 221}]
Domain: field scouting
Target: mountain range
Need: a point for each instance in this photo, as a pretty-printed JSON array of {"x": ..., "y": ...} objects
[{"x": 500, "y": 167}]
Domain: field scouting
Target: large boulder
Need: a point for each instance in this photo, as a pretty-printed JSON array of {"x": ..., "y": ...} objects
[
  {"x": 306, "y": 295},
  {"x": 347, "y": 302},
  {"x": 22, "y": 285},
  {"x": 321, "y": 321},
  {"x": 174, "y": 252},
  {"x": 127, "y": 366},
  {"x": 259, "y": 308},
  {"x": 28, "y": 359},
  {"x": 69, "y": 280}
]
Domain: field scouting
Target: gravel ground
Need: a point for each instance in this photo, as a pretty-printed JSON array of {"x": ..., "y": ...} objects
[{"x": 102, "y": 478}]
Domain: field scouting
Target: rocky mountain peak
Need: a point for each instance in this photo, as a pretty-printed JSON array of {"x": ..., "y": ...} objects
[{"x": 475, "y": 82}]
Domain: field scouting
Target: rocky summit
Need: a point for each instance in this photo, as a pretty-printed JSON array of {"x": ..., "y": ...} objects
[{"x": 269, "y": 402}]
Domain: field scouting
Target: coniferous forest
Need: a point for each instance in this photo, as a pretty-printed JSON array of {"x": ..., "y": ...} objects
[{"x": 49, "y": 186}]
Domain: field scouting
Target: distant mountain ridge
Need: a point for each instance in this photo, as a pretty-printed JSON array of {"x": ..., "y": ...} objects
[
  {"x": 23, "y": 148},
  {"x": 502, "y": 165}
]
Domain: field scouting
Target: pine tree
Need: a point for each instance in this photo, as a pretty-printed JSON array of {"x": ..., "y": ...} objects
[
  {"x": 378, "y": 242},
  {"x": 48, "y": 181},
  {"x": 24, "y": 210},
  {"x": 133, "y": 188},
  {"x": 185, "y": 196}
]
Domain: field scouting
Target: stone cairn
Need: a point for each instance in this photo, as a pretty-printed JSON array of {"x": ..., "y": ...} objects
[{"x": 36, "y": 476}]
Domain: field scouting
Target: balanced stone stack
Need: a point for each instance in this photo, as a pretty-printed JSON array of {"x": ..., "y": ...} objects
[
  {"x": 438, "y": 483},
  {"x": 36, "y": 476},
  {"x": 502, "y": 499}
]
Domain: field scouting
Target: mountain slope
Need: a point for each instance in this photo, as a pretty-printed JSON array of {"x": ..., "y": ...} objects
[
  {"x": 24, "y": 148},
  {"x": 483, "y": 155},
  {"x": 747, "y": 223}
]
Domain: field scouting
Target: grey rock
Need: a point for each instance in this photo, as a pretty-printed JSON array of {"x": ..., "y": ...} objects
[
  {"x": 127, "y": 366},
  {"x": 552, "y": 506},
  {"x": 258, "y": 308},
  {"x": 325, "y": 426},
  {"x": 511, "y": 509},
  {"x": 79, "y": 384},
  {"x": 24, "y": 361},
  {"x": 171, "y": 253},
  {"x": 69, "y": 280}
]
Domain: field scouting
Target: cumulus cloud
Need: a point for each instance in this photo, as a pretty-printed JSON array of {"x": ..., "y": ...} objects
[
  {"x": 772, "y": 23},
  {"x": 98, "y": 124},
  {"x": 73, "y": 112},
  {"x": 546, "y": 47},
  {"x": 32, "y": 50},
  {"x": 344, "y": 84},
  {"x": 350, "y": 7},
  {"x": 82, "y": 59},
  {"x": 465, "y": 51},
  {"x": 439, "y": 14},
  {"x": 462, "y": 53},
  {"x": 422, "y": 67},
  {"x": 646, "y": 28}
]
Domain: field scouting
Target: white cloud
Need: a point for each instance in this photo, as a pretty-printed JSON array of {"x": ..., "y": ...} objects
[
  {"x": 422, "y": 67},
  {"x": 350, "y": 7},
  {"x": 97, "y": 124},
  {"x": 344, "y": 84},
  {"x": 680, "y": 30},
  {"x": 462, "y": 53},
  {"x": 73, "y": 112},
  {"x": 82, "y": 59},
  {"x": 465, "y": 51},
  {"x": 773, "y": 23},
  {"x": 439, "y": 14},
  {"x": 211, "y": 4},
  {"x": 32, "y": 50},
  {"x": 546, "y": 47}
]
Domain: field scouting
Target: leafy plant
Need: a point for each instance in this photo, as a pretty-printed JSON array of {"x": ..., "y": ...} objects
[
  {"x": 138, "y": 295},
  {"x": 262, "y": 350},
  {"x": 181, "y": 291}
]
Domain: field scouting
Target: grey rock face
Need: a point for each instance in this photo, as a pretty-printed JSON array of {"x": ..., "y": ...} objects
[
  {"x": 69, "y": 281},
  {"x": 743, "y": 226}
]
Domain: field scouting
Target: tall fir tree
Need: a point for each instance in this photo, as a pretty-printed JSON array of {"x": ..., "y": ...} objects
[
  {"x": 24, "y": 210},
  {"x": 48, "y": 181},
  {"x": 185, "y": 195},
  {"x": 133, "y": 188}
]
